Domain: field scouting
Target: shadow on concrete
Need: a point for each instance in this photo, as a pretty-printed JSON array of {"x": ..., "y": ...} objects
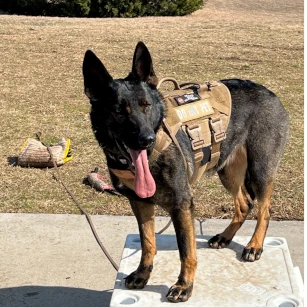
[
  {"x": 236, "y": 247},
  {"x": 52, "y": 296}
]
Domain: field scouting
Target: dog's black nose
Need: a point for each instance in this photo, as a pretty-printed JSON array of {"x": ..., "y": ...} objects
[{"x": 147, "y": 140}]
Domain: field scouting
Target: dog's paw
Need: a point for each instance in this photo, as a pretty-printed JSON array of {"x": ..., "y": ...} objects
[
  {"x": 251, "y": 254},
  {"x": 136, "y": 280},
  {"x": 179, "y": 293},
  {"x": 218, "y": 241}
]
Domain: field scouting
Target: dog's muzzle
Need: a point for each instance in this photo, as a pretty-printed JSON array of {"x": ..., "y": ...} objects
[{"x": 146, "y": 140}]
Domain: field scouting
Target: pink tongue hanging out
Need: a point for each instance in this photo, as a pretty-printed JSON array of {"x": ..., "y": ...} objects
[{"x": 144, "y": 184}]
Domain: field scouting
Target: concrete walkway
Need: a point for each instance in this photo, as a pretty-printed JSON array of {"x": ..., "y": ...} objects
[{"x": 54, "y": 260}]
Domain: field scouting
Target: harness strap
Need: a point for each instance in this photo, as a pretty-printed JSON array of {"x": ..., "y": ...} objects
[
  {"x": 125, "y": 176},
  {"x": 200, "y": 136},
  {"x": 163, "y": 140},
  {"x": 174, "y": 139},
  {"x": 221, "y": 107},
  {"x": 218, "y": 132},
  {"x": 215, "y": 156}
]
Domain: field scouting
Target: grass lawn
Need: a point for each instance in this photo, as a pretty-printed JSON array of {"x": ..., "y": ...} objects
[{"x": 42, "y": 90}]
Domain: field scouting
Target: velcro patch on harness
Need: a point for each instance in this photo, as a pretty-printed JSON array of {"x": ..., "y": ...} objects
[
  {"x": 186, "y": 98},
  {"x": 188, "y": 112}
]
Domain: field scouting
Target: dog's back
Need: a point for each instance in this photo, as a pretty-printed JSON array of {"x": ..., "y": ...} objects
[{"x": 258, "y": 121}]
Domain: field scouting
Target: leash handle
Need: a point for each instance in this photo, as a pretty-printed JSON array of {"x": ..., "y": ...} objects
[{"x": 166, "y": 79}]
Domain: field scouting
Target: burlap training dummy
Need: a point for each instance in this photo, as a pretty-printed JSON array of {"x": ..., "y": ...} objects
[{"x": 35, "y": 154}]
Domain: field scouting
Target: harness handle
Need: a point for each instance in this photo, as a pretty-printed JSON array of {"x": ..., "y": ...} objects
[{"x": 166, "y": 79}]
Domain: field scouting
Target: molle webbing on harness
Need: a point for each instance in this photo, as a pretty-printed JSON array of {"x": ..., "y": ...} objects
[{"x": 202, "y": 111}]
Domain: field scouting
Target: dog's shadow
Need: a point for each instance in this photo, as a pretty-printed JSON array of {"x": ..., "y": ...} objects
[
  {"x": 237, "y": 248},
  {"x": 166, "y": 243}
]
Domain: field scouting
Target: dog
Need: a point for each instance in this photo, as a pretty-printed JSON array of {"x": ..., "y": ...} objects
[{"x": 126, "y": 115}]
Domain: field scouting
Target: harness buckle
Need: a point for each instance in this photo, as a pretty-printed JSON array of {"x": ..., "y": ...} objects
[
  {"x": 194, "y": 133},
  {"x": 219, "y": 133}
]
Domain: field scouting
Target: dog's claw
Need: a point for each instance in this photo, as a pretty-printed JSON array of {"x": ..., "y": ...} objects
[
  {"x": 218, "y": 242},
  {"x": 251, "y": 254},
  {"x": 179, "y": 293},
  {"x": 134, "y": 281}
]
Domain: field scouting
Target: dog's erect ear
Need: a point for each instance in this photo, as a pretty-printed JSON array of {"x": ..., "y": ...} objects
[
  {"x": 96, "y": 77},
  {"x": 142, "y": 67}
]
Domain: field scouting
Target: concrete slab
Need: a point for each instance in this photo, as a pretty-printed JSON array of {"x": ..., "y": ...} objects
[{"x": 54, "y": 260}]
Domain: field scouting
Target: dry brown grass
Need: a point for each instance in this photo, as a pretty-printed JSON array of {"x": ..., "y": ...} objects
[{"x": 42, "y": 90}]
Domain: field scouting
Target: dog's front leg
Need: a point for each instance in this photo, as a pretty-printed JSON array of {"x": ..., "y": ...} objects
[
  {"x": 185, "y": 232},
  {"x": 145, "y": 216}
]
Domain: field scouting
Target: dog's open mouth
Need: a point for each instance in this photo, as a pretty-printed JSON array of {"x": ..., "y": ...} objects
[{"x": 144, "y": 184}]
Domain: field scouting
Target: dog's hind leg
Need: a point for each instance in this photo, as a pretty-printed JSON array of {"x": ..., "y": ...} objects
[
  {"x": 145, "y": 216},
  {"x": 184, "y": 227},
  {"x": 254, "y": 248},
  {"x": 233, "y": 177}
]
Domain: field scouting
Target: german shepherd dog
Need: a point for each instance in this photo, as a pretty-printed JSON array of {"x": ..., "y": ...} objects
[{"x": 126, "y": 115}]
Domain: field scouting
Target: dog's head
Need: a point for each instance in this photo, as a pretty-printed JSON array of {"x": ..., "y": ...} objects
[{"x": 131, "y": 108}]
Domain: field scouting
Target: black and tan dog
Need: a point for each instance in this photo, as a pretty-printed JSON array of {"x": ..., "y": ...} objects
[{"x": 126, "y": 115}]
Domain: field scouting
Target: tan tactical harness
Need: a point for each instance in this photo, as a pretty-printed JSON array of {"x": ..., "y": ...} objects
[{"x": 202, "y": 111}]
